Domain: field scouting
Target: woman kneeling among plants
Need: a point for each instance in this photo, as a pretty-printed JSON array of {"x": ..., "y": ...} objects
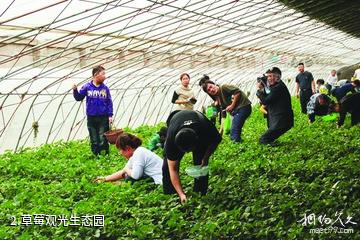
[{"x": 142, "y": 163}]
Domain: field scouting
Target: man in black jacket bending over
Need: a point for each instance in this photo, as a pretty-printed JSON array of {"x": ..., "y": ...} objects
[
  {"x": 188, "y": 131},
  {"x": 349, "y": 104},
  {"x": 278, "y": 104}
]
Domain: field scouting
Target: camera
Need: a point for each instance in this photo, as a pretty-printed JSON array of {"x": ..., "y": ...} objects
[
  {"x": 262, "y": 79},
  {"x": 193, "y": 100}
]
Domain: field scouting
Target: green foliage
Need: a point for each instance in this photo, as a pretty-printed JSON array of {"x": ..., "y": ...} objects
[{"x": 255, "y": 191}]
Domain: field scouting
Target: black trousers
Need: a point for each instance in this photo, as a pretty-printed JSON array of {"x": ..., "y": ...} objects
[
  {"x": 355, "y": 117},
  {"x": 304, "y": 99},
  {"x": 97, "y": 126},
  {"x": 200, "y": 184},
  {"x": 272, "y": 134}
]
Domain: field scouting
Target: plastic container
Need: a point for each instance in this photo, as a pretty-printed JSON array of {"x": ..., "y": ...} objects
[
  {"x": 112, "y": 135},
  {"x": 197, "y": 171},
  {"x": 329, "y": 117}
]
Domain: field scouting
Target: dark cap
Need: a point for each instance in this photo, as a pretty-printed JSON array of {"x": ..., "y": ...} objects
[
  {"x": 186, "y": 139},
  {"x": 274, "y": 70}
]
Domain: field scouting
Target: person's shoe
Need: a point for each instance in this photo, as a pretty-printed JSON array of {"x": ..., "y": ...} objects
[{"x": 240, "y": 141}]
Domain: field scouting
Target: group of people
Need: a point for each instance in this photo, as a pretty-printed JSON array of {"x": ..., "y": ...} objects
[
  {"x": 341, "y": 96},
  {"x": 191, "y": 131}
]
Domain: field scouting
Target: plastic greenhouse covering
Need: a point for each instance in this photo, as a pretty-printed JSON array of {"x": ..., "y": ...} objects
[{"x": 47, "y": 46}]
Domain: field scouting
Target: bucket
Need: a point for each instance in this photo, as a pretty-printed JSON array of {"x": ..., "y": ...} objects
[
  {"x": 329, "y": 117},
  {"x": 112, "y": 135}
]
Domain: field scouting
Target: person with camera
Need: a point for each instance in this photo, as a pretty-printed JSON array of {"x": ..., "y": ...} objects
[
  {"x": 184, "y": 96},
  {"x": 305, "y": 86},
  {"x": 263, "y": 109},
  {"x": 234, "y": 101},
  {"x": 278, "y": 104}
]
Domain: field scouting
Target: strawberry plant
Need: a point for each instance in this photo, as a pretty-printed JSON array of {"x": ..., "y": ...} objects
[{"x": 255, "y": 191}]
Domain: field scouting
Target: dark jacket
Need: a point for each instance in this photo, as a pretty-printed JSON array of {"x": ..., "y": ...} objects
[
  {"x": 206, "y": 131},
  {"x": 278, "y": 104},
  {"x": 349, "y": 103},
  {"x": 341, "y": 92}
]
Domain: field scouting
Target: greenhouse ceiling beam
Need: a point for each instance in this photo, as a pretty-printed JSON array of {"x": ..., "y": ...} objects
[
  {"x": 53, "y": 42},
  {"x": 42, "y": 59},
  {"x": 7, "y": 8},
  {"x": 46, "y": 26},
  {"x": 23, "y": 127},
  {"x": 126, "y": 38},
  {"x": 30, "y": 65},
  {"x": 34, "y": 11}
]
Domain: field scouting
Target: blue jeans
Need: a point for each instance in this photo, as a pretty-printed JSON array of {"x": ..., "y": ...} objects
[
  {"x": 97, "y": 126},
  {"x": 239, "y": 117}
]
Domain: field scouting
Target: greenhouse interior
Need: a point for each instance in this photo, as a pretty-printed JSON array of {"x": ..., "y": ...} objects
[{"x": 302, "y": 184}]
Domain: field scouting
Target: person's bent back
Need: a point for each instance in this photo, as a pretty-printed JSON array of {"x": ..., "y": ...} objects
[{"x": 350, "y": 104}]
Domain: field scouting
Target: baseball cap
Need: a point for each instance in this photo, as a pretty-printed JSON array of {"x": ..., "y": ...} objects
[
  {"x": 186, "y": 139},
  {"x": 274, "y": 70}
]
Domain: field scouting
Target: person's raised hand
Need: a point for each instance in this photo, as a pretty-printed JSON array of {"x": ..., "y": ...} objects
[{"x": 259, "y": 85}]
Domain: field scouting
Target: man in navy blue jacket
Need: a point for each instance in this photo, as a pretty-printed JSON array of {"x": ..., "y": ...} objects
[
  {"x": 99, "y": 109},
  {"x": 341, "y": 92}
]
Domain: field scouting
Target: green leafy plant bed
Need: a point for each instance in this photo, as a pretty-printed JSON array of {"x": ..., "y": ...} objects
[{"x": 308, "y": 180}]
